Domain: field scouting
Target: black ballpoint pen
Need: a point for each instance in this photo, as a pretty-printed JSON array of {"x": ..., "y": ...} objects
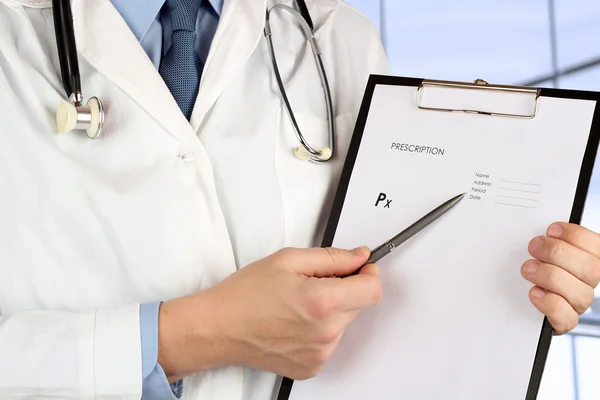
[{"x": 389, "y": 246}]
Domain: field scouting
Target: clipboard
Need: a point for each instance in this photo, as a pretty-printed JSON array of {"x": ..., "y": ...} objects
[{"x": 422, "y": 90}]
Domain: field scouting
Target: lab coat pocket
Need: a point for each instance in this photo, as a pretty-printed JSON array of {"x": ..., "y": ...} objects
[{"x": 307, "y": 188}]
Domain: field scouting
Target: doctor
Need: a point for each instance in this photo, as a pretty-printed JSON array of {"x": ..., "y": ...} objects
[{"x": 149, "y": 262}]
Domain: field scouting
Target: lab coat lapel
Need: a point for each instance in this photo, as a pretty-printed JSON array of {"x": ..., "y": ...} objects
[
  {"x": 239, "y": 32},
  {"x": 106, "y": 42}
]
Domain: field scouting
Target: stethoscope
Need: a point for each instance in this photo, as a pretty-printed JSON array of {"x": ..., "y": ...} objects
[
  {"x": 74, "y": 115},
  {"x": 304, "y": 151}
]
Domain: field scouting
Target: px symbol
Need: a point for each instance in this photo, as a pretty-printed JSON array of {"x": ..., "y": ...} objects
[{"x": 383, "y": 197}]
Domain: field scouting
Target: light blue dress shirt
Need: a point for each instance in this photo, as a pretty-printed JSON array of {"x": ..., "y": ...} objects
[{"x": 153, "y": 30}]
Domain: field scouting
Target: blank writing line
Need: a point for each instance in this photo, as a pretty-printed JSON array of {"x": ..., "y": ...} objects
[
  {"x": 513, "y": 205},
  {"x": 519, "y": 190},
  {"x": 519, "y": 198},
  {"x": 523, "y": 183}
]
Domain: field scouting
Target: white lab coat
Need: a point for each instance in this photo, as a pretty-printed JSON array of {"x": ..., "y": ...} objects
[{"x": 158, "y": 207}]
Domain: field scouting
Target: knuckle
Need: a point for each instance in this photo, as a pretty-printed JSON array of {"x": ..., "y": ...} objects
[
  {"x": 286, "y": 252},
  {"x": 591, "y": 271},
  {"x": 334, "y": 253},
  {"x": 282, "y": 255},
  {"x": 555, "y": 249},
  {"x": 311, "y": 363},
  {"x": 554, "y": 306},
  {"x": 552, "y": 275},
  {"x": 328, "y": 335},
  {"x": 585, "y": 301},
  {"x": 319, "y": 359},
  {"x": 319, "y": 307},
  {"x": 566, "y": 231},
  {"x": 568, "y": 323},
  {"x": 561, "y": 316},
  {"x": 572, "y": 233}
]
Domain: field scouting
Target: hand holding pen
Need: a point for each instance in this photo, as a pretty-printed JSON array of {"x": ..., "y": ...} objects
[{"x": 280, "y": 315}]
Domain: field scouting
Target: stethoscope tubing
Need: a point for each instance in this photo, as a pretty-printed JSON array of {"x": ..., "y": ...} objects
[
  {"x": 67, "y": 48},
  {"x": 314, "y": 155},
  {"x": 305, "y": 14}
]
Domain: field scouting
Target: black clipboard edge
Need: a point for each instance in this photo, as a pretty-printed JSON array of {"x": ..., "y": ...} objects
[
  {"x": 586, "y": 171},
  {"x": 581, "y": 192}
]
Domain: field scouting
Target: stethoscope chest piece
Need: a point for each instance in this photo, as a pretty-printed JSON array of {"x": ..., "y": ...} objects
[{"x": 72, "y": 116}]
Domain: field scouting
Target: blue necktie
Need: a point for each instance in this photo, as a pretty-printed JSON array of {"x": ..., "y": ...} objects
[{"x": 181, "y": 67}]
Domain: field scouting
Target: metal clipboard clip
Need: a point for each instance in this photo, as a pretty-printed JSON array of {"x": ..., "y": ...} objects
[{"x": 479, "y": 84}]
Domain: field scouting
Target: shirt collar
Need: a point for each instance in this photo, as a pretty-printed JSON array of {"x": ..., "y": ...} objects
[
  {"x": 139, "y": 14},
  {"x": 217, "y": 6}
]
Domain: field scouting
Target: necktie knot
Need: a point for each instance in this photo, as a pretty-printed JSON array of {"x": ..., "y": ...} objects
[{"x": 183, "y": 13}]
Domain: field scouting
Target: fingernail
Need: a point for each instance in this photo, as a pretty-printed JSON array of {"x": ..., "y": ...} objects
[
  {"x": 537, "y": 292},
  {"x": 531, "y": 268},
  {"x": 555, "y": 230},
  {"x": 536, "y": 245},
  {"x": 359, "y": 251}
]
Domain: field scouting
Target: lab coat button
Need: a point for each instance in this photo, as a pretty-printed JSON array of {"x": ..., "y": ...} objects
[{"x": 186, "y": 157}]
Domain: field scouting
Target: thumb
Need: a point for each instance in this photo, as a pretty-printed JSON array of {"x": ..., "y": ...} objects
[
  {"x": 327, "y": 262},
  {"x": 371, "y": 270}
]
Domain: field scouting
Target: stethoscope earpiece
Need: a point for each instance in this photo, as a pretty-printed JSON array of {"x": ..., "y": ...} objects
[
  {"x": 71, "y": 116},
  {"x": 326, "y": 154}
]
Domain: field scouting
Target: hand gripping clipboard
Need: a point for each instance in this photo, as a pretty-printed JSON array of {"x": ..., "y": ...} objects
[{"x": 437, "y": 99}]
